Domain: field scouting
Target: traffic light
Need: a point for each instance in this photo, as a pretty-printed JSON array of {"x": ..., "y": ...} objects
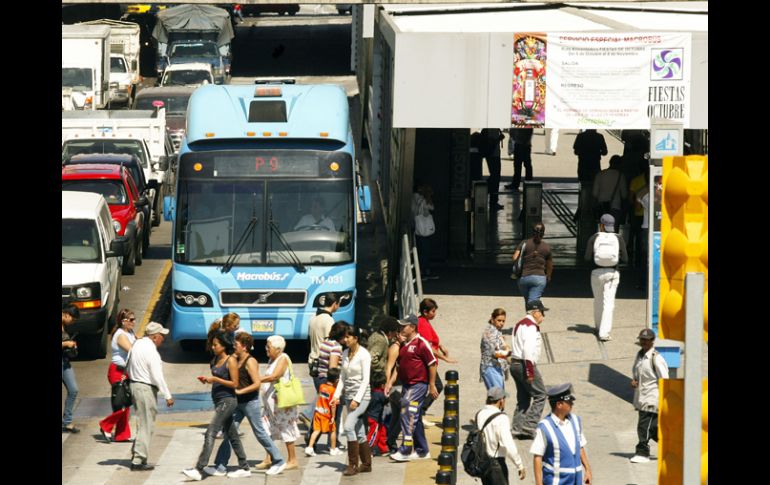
[{"x": 684, "y": 239}]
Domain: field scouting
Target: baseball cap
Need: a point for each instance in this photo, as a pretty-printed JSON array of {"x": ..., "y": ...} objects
[
  {"x": 409, "y": 320},
  {"x": 496, "y": 393},
  {"x": 646, "y": 334},
  {"x": 535, "y": 305},
  {"x": 155, "y": 327},
  {"x": 608, "y": 221}
]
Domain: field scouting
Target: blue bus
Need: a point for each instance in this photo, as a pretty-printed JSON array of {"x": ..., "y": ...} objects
[{"x": 265, "y": 209}]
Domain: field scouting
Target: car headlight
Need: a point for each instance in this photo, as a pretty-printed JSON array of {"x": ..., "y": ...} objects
[
  {"x": 83, "y": 292},
  {"x": 116, "y": 225}
]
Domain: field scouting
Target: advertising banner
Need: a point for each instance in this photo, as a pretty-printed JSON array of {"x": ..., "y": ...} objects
[{"x": 600, "y": 80}]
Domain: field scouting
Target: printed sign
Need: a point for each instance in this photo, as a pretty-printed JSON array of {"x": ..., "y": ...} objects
[{"x": 529, "y": 55}]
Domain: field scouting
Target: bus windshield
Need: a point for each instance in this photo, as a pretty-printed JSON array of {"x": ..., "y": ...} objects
[{"x": 314, "y": 218}]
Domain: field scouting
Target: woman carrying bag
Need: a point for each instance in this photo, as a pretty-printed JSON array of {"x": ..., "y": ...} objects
[{"x": 122, "y": 341}]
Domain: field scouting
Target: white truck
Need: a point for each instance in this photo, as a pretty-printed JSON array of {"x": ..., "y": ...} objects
[
  {"x": 85, "y": 67},
  {"x": 124, "y": 58},
  {"x": 135, "y": 132}
]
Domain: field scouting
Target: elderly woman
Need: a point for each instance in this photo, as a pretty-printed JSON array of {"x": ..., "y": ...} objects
[
  {"x": 280, "y": 422},
  {"x": 494, "y": 350},
  {"x": 355, "y": 391},
  {"x": 122, "y": 340}
]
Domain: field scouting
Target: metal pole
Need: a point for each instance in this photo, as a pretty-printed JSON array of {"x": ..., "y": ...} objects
[{"x": 694, "y": 285}]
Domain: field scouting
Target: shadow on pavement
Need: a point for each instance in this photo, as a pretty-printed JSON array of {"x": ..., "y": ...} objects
[{"x": 611, "y": 381}]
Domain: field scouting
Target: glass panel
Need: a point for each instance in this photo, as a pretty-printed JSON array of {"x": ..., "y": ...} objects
[
  {"x": 80, "y": 241},
  {"x": 112, "y": 190},
  {"x": 212, "y": 218},
  {"x": 77, "y": 78},
  {"x": 173, "y": 104},
  {"x": 117, "y": 65},
  {"x": 314, "y": 217},
  {"x": 130, "y": 147}
]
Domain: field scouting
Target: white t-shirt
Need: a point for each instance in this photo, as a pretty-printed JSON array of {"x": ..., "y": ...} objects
[
  {"x": 119, "y": 355},
  {"x": 309, "y": 220}
]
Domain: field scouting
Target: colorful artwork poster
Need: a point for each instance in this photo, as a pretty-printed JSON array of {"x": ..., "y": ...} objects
[
  {"x": 529, "y": 54},
  {"x": 617, "y": 80}
]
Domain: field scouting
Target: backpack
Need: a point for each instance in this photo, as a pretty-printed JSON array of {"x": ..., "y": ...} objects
[
  {"x": 606, "y": 249},
  {"x": 474, "y": 455}
]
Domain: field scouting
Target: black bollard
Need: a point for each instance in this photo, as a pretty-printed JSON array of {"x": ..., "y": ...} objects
[
  {"x": 451, "y": 377},
  {"x": 451, "y": 408},
  {"x": 444, "y": 478},
  {"x": 452, "y": 391},
  {"x": 449, "y": 424},
  {"x": 446, "y": 465},
  {"x": 448, "y": 445}
]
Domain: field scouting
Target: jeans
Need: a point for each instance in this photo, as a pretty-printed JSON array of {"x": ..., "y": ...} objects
[
  {"x": 222, "y": 420},
  {"x": 493, "y": 377},
  {"x": 604, "y": 285},
  {"x": 532, "y": 287},
  {"x": 253, "y": 411},
  {"x": 530, "y": 399},
  {"x": 355, "y": 427},
  {"x": 68, "y": 379}
]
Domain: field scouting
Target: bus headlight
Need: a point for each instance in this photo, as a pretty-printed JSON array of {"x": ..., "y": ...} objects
[
  {"x": 192, "y": 299},
  {"x": 344, "y": 297}
]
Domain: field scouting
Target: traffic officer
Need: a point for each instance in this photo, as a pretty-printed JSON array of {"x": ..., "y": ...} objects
[{"x": 559, "y": 446}]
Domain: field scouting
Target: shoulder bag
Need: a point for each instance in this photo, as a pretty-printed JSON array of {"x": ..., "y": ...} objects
[
  {"x": 518, "y": 265},
  {"x": 121, "y": 392},
  {"x": 289, "y": 392}
]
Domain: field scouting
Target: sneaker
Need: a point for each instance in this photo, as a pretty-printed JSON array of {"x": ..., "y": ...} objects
[
  {"x": 70, "y": 429},
  {"x": 241, "y": 473},
  {"x": 141, "y": 467},
  {"x": 107, "y": 436},
  {"x": 605, "y": 339},
  {"x": 417, "y": 456},
  {"x": 261, "y": 467},
  {"x": 217, "y": 471},
  {"x": 219, "y": 435},
  {"x": 309, "y": 451},
  {"x": 398, "y": 456},
  {"x": 276, "y": 469},
  {"x": 428, "y": 424},
  {"x": 640, "y": 459},
  {"x": 336, "y": 452},
  {"x": 193, "y": 473}
]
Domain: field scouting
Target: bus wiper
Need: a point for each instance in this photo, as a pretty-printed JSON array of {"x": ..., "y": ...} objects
[
  {"x": 295, "y": 261},
  {"x": 249, "y": 230}
]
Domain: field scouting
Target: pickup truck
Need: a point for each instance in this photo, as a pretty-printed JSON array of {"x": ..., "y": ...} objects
[{"x": 186, "y": 51}]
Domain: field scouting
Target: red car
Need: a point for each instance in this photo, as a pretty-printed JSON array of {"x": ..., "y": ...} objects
[{"x": 117, "y": 186}]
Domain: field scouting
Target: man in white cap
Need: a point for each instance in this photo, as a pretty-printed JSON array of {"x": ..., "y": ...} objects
[
  {"x": 497, "y": 438},
  {"x": 145, "y": 369},
  {"x": 559, "y": 455},
  {"x": 605, "y": 249},
  {"x": 649, "y": 366}
]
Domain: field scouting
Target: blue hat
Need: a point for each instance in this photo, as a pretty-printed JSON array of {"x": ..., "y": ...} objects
[{"x": 561, "y": 392}]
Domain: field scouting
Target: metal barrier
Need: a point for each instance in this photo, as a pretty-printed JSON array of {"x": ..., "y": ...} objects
[
  {"x": 409, "y": 281},
  {"x": 450, "y": 435}
]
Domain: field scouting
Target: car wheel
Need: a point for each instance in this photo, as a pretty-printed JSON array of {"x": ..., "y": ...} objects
[
  {"x": 129, "y": 261},
  {"x": 146, "y": 239},
  {"x": 139, "y": 251},
  {"x": 95, "y": 346},
  {"x": 156, "y": 211}
]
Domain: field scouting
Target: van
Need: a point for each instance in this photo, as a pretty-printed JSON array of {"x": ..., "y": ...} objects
[{"x": 91, "y": 259}]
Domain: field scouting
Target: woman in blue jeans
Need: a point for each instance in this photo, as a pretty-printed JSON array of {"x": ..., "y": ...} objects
[
  {"x": 250, "y": 407},
  {"x": 538, "y": 264},
  {"x": 354, "y": 381},
  {"x": 69, "y": 349},
  {"x": 494, "y": 350}
]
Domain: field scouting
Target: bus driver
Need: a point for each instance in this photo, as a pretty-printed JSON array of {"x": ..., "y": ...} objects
[{"x": 316, "y": 219}]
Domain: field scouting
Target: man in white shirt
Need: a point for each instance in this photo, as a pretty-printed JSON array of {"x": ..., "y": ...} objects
[
  {"x": 530, "y": 389},
  {"x": 497, "y": 438},
  {"x": 318, "y": 330},
  {"x": 316, "y": 219},
  {"x": 649, "y": 366},
  {"x": 145, "y": 370},
  {"x": 559, "y": 446}
]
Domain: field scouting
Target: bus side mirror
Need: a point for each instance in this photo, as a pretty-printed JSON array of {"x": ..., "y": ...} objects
[
  {"x": 169, "y": 207},
  {"x": 364, "y": 198}
]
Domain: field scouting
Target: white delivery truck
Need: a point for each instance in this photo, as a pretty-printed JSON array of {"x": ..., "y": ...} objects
[
  {"x": 135, "y": 132},
  {"x": 124, "y": 58},
  {"x": 85, "y": 66}
]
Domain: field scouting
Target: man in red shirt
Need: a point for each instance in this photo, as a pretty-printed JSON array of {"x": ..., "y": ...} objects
[
  {"x": 417, "y": 373},
  {"x": 428, "y": 308}
]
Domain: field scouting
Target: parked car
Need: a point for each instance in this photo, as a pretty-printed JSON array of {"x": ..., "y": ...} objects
[
  {"x": 132, "y": 163},
  {"x": 279, "y": 8},
  {"x": 117, "y": 187},
  {"x": 175, "y": 99},
  {"x": 190, "y": 74},
  {"x": 90, "y": 268}
]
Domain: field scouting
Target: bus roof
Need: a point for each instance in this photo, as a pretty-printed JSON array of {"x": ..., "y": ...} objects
[{"x": 221, "y": 112}]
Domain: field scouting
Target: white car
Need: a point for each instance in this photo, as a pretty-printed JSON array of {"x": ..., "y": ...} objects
[
  {"x": 188, "y": 74},
  {"x": 120, "y": 79}
]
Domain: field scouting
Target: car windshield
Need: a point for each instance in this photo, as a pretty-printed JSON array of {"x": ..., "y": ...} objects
[
  {"x": 194, "y": 50},
  {"x": 112, "y": 190},
  {"x": 186, "y": 78},
  {"x": 117, "y": 65},
  {"x": 129, "y": 147},
  {"x": 173, "y": 104},
  {"x": 315, "y": 219},
  {"x": 76, "y": 78},
  {"x": 80, "y": 241}
]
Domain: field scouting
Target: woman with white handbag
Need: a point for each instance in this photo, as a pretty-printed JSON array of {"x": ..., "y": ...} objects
[{"x": 424, "y": 226}]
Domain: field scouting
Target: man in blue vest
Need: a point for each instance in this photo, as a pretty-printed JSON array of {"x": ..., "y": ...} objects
[{"x": 559, "y": 446}]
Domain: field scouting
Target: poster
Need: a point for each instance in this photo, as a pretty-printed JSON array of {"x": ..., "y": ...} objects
[
  {"x": 617, "y": 80},
  {"x": 529, "y": 72}
]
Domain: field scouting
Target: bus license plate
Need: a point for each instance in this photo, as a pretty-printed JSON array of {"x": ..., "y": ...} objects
[{"x": 263, "y": 325}]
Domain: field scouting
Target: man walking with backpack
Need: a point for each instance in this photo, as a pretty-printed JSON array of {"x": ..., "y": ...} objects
[
  {"x": 495, "y": 434},
  {"x": 649, "y": 366},
  {"x": 606, "y": 249}
]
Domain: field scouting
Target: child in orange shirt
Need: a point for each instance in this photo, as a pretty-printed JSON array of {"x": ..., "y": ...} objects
[{"x": 323, "y": 417}]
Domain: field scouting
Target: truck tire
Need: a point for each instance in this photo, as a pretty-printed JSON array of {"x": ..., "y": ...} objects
[{"x": 95, "y": 346}]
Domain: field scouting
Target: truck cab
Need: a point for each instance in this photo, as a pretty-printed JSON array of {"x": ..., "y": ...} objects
[
  {"x": 90, "y": 268},
  {"x": 193, "y": 51},
  {"x": 189, "y": 74}
]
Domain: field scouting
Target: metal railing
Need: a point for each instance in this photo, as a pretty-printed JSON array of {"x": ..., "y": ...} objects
[{"x": 409, "y": 281}]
